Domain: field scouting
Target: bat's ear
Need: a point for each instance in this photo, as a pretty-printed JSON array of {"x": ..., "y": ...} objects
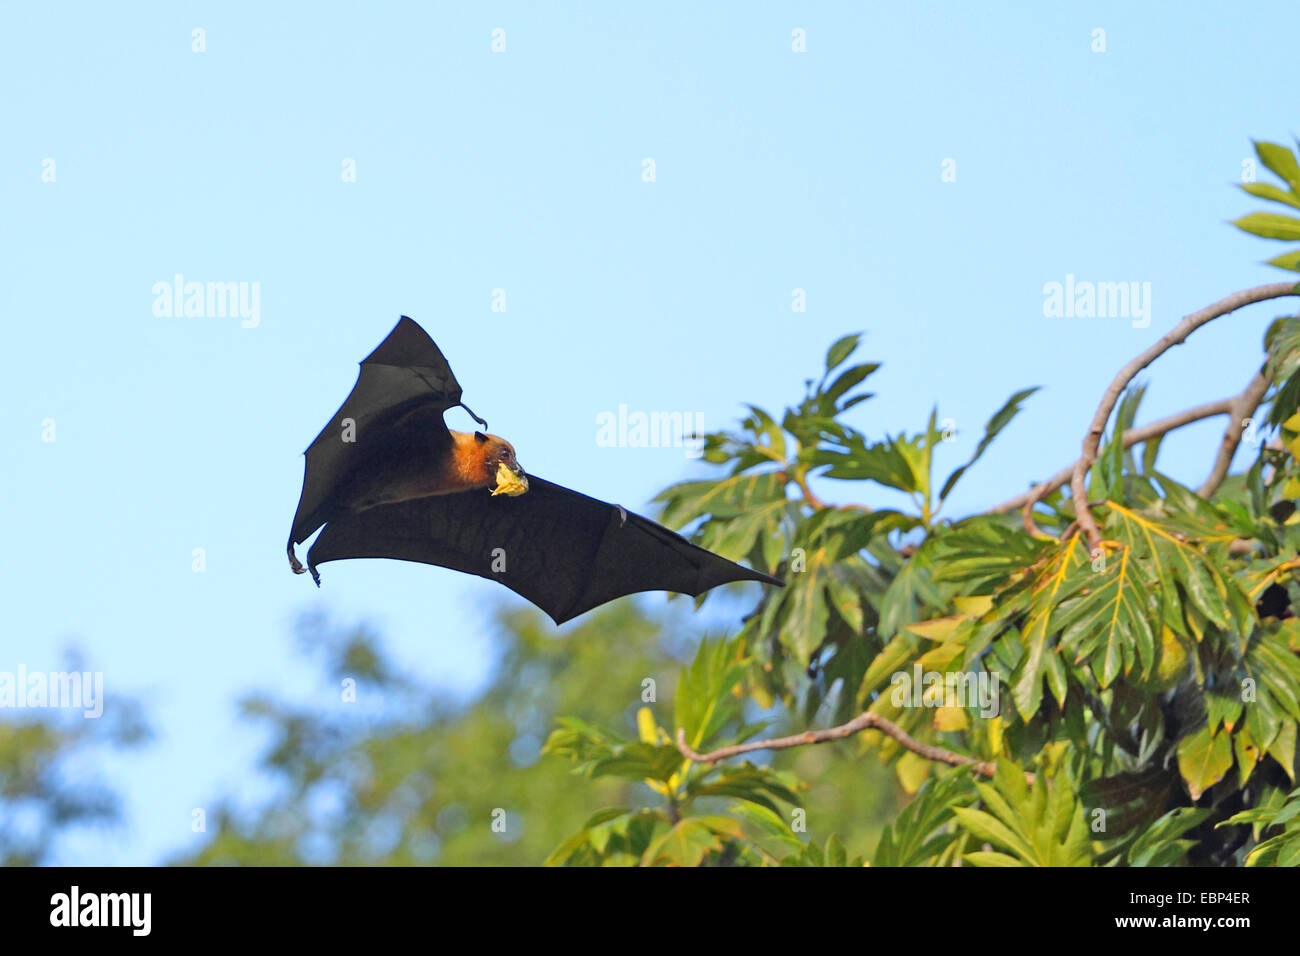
[{"x": 480, "y": 437}]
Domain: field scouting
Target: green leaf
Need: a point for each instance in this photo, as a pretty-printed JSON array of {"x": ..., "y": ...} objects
[
  {"x": 835, "y": 855},
  {"x": 1282, "y": 748},
  {"x": 1009, "y": 410},
  {"x": 770, "y": 824},
  {"x": 725, "y": 498},
  {"x": 1203, "y": 759},
  {"x": 1280, "y": 161},
  {"x": 981, "y": 553},
  {"x": 764, "y": 426},
  {"x": 1110, "y": 623},
  {"x": 988, "y": 858},
  {"x": 888, "y": 463},
  {"x": 640, "y": 761},
  {"x": 812, "y": 855},
  {"x": 911, "y": 585},
  {"x": 987, "y": 828},
  {"x": 1269, "y": 191},
  {"x": 1269, "y": 225},
  {"x": 841, "y": 350},
  {"x": 1288, "y": 260},
  {"x": 1048, "y": 588},
  {"x": 1042, "y": 826},
  {"x": 848, "y": 379},
  {"x": 1159, "y": 844},
  {"x": 920, "y": 835},
  {"x": 746, "y": 782},
  {"x": 805, "y": 611},
  {"x": 604, "y": 816},
  {"x": 688, "y": 841},
  {"x": 704, "y": 701}
]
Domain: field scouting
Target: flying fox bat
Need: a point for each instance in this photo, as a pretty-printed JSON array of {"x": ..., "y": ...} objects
[{"x": 388, "y": 479}]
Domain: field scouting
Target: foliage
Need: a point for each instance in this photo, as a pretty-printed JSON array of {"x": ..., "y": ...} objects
[
  {"x": 44, "y": 789},
  {"x": 682, "y": 830},
  {"x": 1280, "y": 161},
  {"x": 406, "y": 775},
  {"x": 1154, "y": 685},
  {"x": 1281, "y": 816}
]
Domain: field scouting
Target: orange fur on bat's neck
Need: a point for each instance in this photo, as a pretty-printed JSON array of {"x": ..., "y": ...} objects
[{"x": 472, "y": 463}]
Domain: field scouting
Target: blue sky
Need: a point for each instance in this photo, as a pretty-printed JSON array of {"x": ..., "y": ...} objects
[{"x": 522, "y": 171}]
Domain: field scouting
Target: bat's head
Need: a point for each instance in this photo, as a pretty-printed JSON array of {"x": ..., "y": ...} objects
[{"x": 501, "y": 467}]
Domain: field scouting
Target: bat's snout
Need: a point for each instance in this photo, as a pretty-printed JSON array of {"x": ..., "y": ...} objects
[
  {"x": 521, "y": 476},
  {"x": 511, "y": 480}
]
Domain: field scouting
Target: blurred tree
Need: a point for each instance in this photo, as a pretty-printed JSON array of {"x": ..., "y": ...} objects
[
  {"x": 401, "y": 775},
  {"x": 45, "y": 789},
  {"x": 404, "y": 776}
]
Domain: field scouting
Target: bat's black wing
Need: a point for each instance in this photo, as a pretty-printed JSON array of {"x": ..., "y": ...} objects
[
  {"x": 563, "y": 551},
  {"x": 406, "y": 373}
]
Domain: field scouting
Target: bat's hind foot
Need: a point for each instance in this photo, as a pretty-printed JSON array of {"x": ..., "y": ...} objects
[{"x": 297, "y": 567}]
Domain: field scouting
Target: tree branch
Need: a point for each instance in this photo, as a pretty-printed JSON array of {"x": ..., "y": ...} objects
[
  {"x": 1243, "y": 407},
  {"x": 864, "y": 721},
  {"x": 801, "y": 480},
  {"x": 1175, "y": 336},
  {"x": 1133, "y": 436}
]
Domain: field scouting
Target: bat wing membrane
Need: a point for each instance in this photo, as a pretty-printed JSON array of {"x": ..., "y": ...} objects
[
  {"x": 563, "y": 551},
  {"x": 403, "y": 380}
]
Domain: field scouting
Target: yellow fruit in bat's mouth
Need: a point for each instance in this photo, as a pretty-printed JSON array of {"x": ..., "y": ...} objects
[{"x": 508, "y": 483}]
